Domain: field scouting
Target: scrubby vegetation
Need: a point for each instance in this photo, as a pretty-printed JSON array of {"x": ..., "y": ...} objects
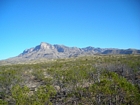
[{"x": 88, "y": 80}]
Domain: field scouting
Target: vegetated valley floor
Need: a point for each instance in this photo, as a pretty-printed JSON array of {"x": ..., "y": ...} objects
[{"x": 88, "y": 80}]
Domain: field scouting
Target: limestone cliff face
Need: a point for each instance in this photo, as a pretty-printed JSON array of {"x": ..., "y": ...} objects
[{"x": 44, "y": 45}]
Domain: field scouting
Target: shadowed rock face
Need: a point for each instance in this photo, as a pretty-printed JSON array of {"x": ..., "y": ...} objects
[{"x": 46, "y": 50}]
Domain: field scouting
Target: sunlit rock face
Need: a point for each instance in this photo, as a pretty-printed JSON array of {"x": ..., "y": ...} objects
[{"x": 44, "y": 45}]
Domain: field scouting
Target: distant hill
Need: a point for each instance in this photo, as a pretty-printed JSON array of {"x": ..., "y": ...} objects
[{"x": 48, "y": 51}]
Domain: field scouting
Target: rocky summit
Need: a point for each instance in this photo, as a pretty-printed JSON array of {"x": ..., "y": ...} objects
[{"x": 49, "y": 51}]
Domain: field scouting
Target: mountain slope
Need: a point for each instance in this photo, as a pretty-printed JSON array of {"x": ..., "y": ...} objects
[{"x": 48, "y": 51}]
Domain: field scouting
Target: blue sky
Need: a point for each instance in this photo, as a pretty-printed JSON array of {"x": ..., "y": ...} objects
[{"x": 81, "y": 23}]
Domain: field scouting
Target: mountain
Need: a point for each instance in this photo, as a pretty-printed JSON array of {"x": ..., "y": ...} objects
[
  {"x": 121, "y": 51},
  {"x": 48, "y": 51}
]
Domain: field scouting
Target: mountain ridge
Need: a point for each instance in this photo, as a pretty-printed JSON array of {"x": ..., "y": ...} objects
[{"x": 49, "y": 51}]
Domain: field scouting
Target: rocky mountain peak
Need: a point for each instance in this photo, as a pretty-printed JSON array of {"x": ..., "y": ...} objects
[{"x": 44, "y": 45}]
